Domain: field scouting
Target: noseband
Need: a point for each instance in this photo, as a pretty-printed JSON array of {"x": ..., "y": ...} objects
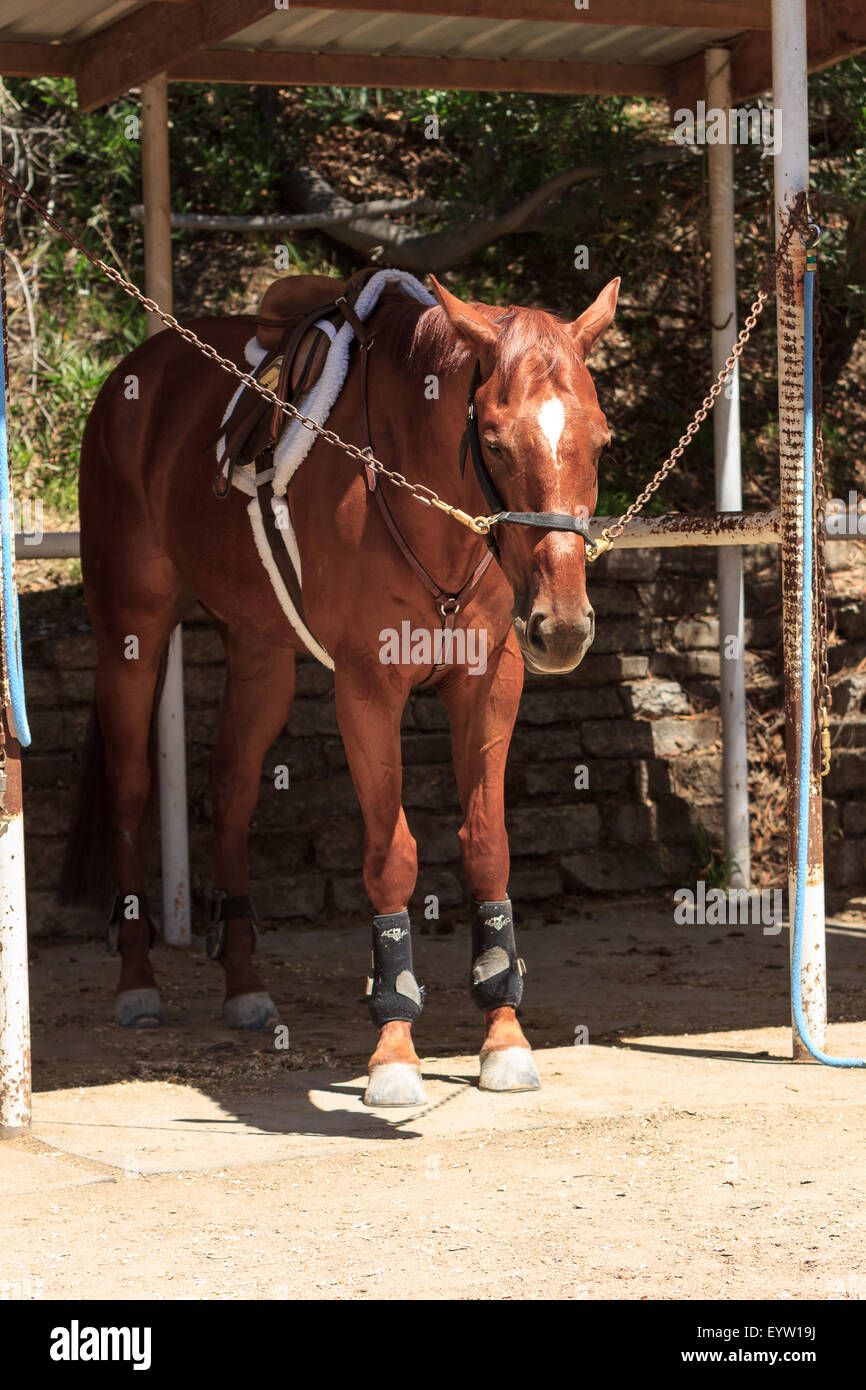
[{"x": 549, "y": 521}]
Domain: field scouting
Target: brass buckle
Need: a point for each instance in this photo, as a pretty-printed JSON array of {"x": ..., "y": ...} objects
[{"x": 599, "y": 546}]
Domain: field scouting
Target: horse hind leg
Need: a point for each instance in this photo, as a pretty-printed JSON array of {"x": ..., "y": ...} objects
[
  {"x": 126, "y": 685},
  {"x": 257, "y": 698}
]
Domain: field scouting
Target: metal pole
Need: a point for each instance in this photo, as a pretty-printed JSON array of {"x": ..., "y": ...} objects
[
  {"x": 171, "y": 735},
  {"x": 156, "y": 187},
  {"x": 14, "y": 983},
  {"x": 729, "y": 491},
  {"x": 15, "y": 1078},
  {"x": 791, "y": 176}
]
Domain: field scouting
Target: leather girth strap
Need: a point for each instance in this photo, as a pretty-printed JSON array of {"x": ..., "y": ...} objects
[{"x": 277, "y": 545}]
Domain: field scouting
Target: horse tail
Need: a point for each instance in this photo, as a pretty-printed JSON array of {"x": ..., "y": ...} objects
[{"x": 88, "y": 860}]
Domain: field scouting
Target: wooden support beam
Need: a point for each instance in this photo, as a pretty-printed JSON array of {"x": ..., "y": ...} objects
[
  {"x": 143, "y": 44},
  {"x": 156, "y": 188},
  {"x": 691, "y": 14},
  {"x": 675, "y": 14},
  {"x": 835, "y": 31},
  {"x": 461, "y": 74},
  {"x": 36, "y": 60}
]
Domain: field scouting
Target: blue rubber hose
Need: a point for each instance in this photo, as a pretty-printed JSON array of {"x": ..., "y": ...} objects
[
  {"x": 12, "y": 625},
  {"x": 806, "y": 684}
]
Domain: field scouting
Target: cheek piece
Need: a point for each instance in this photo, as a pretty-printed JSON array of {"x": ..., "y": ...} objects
[
  {"x": 497, "y": 972},
  {"x": 392, "y": 990}
]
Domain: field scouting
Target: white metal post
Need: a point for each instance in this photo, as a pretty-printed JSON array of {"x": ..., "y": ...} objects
[
  {"x": 15, "y": 1075},
  {"x": 791, "y": 176},
  {"x": 171, "y": 735},
  {"x": 729, "y": 490},
  {"x": 14, "y": 983}
]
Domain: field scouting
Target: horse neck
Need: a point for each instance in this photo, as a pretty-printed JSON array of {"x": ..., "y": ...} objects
[{"x": 432, "y": 456}]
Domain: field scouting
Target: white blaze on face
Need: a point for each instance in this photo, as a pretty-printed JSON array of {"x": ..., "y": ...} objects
[{"x": 551, "y": 418}]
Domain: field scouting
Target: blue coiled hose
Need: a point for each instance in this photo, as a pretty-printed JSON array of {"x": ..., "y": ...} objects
[
  {"x": 12, "y": 626},
  {"x": 806, "y": 683}
]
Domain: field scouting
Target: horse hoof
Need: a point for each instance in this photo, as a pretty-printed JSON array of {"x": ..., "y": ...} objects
[
  {"x": 252, "y": 1011},
  {"x": 138, "y": 1008},
  {"x": 509, "y": 1069},
  {"x": 395, "y": 1083}
]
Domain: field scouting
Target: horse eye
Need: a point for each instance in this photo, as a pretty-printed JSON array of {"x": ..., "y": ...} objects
[{"x": 494, "y": 448}]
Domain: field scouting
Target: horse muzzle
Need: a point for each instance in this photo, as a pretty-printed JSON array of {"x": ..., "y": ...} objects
[{"x": 553, "y": 644}]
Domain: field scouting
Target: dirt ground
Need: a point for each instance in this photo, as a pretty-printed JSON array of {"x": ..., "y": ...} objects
[{"x": 678, "y": 1154}]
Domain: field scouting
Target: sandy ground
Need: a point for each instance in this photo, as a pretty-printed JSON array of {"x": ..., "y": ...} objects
[{"x": 677, "y": 1155}]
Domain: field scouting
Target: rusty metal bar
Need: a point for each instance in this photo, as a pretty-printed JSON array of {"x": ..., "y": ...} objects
[
  {"x": 791, "y": 177},
  {"x": 50, "y": 545},
  {"x": 696, "y": 528},
  {"x": 650, "y": 533}
]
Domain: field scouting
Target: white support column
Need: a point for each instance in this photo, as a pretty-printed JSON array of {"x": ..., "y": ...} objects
[
  {"x": 729, "y": 491},
  {"x": 791, "y": 176},
  {"x": 156, "y": 188},
  {"x": 14, "y": 980},
  {"x": 15, "y": 1073}
]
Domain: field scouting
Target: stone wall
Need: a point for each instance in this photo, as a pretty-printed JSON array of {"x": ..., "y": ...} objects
[{"x": 640, "y": 714}]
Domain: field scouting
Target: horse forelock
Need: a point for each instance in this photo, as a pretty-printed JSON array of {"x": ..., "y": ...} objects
[{"x": 535, "y": 342}]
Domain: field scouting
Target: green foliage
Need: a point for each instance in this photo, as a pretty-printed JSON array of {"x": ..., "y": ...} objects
[
  {"x": 714, "y": 866},
  {"x": 233, "y": 149},
  {"x": 703, "y": 861}
]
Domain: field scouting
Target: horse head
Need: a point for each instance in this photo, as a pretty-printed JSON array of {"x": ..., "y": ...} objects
[{"x": 541, "y": 431}]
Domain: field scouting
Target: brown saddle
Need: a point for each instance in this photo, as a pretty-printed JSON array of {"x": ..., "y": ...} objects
[{"x": 286, "y": 326}]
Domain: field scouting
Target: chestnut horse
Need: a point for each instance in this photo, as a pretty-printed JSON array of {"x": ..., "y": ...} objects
[{"x": 155, "y": 539}]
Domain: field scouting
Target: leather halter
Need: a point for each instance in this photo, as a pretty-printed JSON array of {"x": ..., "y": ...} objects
[{"x": 549, "y": 521}]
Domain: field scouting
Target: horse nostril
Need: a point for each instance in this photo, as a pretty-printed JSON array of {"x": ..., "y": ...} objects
[{"x": 534, "y": 635}]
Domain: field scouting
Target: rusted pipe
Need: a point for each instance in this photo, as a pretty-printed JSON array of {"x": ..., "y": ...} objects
[{"x": 791, "y": 177}]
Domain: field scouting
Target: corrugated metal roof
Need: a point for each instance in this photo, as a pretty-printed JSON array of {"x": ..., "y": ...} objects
[
  {"x": 335, "y": 31},
  {"x": 69, "y": 21},
  {"x": 414, "y": 34}
]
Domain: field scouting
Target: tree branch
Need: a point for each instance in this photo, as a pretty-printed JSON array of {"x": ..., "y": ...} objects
[
  {"x": 299, "y": 222},
  {"x": 394, "y": 244}
]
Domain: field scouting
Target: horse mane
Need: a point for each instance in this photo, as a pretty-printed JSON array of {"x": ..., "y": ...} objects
[{"x": 529, "y": 338}]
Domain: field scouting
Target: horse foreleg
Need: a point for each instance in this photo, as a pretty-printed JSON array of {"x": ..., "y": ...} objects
[
  {"x": 482, "y": 710},
  {"x": 369, "y": 722},
  {"x": 257, "y": 697}
]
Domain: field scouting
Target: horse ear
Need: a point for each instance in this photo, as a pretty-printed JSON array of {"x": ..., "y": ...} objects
[
  {"x": 470, "y": 325},
  {"x": 586, "y": 331}
]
